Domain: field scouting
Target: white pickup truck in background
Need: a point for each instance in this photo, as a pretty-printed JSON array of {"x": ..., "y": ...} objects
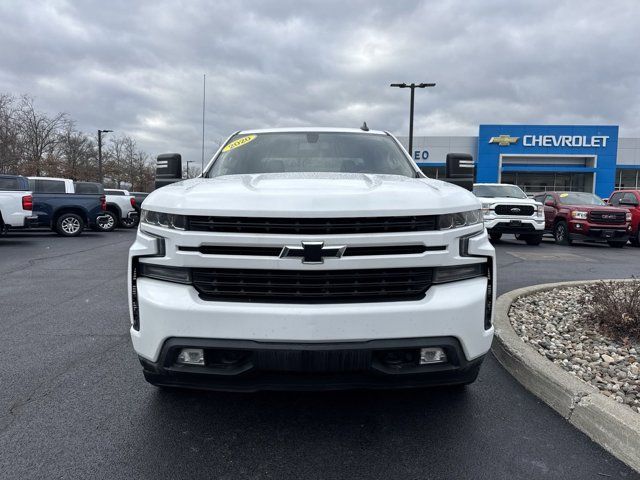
[
  {"x": 16, "y": 202},
  {"x": 122, "y": 206}
]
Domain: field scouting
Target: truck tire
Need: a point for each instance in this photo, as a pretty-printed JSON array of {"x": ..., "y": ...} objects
[
  {"x": 561, "y": 233},
  {"x": 532, "y": 239},
  {"x": 109, "y": 225},
  {"x": 495, "y": 236},
  {"x": 635, "y": 239},
  {"x": 617, "y": 243},
  {"x": 128, "y": 222},
  {"x": 69, "y": 225}
]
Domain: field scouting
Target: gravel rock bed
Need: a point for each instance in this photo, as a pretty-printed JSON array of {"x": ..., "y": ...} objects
[{"x": 553, "y": 323}]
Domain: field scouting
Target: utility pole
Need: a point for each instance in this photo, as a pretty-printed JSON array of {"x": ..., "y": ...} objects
[
  {"x": 413, "y": 87},
  {"x": 100, "y": 132},
  {"x": 204, "y": 96}
]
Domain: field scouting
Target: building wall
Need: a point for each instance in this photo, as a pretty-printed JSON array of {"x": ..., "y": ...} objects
[{"x": 611, "y": 166}]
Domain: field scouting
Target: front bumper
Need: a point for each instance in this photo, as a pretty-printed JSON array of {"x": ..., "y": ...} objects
[
  {"x": 580, "y": 230},
  {"x": 304, "y": 366},
  {"x": 514, "y": 225}
]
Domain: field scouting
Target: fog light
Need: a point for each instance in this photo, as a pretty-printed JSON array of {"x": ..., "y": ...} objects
[
  {"x": 191, "y": 356},
  {"x": 432, "y": 355}
]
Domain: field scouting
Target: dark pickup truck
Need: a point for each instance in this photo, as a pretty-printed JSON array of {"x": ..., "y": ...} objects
[{"x": 67, "y": 207}]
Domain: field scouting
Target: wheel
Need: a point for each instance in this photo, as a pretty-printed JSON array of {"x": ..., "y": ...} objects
[
  {"x": 107, "y": 223},
  {"x": 532, "y": 239},
  {"x": 617, "y": 243},
  {"x": 69, "y": 225},
  {"x": 495, "y": 236},
  {"x": 128, "y": 222},
  {"x": 561, "y": 233}
]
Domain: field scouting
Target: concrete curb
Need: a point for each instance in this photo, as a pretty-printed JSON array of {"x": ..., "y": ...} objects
[{"x": 612, "y": 425}]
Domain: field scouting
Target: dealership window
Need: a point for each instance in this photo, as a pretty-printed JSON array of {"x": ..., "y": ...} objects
[
  {"x": 532, "y": 182},
  {"x": 627, "y": 179},
  {"x": 433, "y": 172}
]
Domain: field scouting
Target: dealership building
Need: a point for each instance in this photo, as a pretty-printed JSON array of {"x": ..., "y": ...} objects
[{"x": 587, "y": 158}]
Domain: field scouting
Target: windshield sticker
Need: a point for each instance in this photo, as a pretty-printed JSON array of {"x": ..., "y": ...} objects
[
  {"x": 562, "y": 195},
  {"x": 238, "y": 143}
]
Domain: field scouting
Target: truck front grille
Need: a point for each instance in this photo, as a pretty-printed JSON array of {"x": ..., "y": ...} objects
[
  {"x": 293, "y": 286},
  {"x": 312, "y": 226},
  {"x": 524, "y": 210},
  {"x": 600, "y": 216}
]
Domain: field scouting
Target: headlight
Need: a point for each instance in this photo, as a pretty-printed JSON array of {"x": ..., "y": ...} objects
[
  {"x": 461, "y": 219},
  {"x": 540, "y": 210},
  {"x": 486, "y": 208},
  {"x": 579, "y": 215},
  {"x": 628, "y": 217},
  {"x": 166, "y": 220}
]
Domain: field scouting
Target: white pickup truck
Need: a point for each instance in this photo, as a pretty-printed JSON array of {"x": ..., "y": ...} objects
[
  {"x": 507, "y": 209},
  {"x": 16, "y": 202},
  {"x": 121, "y": 206},
  {"x": 311, "y": 258}
]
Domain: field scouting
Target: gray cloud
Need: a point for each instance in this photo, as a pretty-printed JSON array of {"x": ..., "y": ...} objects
[{"x": 136, "y": 67}]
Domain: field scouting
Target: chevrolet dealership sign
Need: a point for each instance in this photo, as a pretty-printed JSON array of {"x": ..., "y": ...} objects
[
  {"x": 593, "y": 141},
  {"x": 565, "y": 141}
]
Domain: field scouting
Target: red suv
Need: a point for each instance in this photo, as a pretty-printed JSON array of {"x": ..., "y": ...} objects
[
  {"x": 584, "y": 216},
  {"x": 629, "y": 200}
]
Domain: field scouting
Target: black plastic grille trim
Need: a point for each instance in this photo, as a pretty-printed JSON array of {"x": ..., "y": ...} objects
[
  {"x": 332, "y": 286},
  {"x": 596, "y": 216},
  {"x": 312, "y": 226},
  {"x": 525, "y": 210},
  {"x": 349, "y": 252}
]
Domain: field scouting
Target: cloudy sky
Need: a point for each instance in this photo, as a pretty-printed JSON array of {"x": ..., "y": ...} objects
[{"x": 136, "y": 66}]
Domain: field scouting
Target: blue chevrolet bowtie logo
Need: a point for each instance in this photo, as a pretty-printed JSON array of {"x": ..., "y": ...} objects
[{"x": 312, "y": 252}]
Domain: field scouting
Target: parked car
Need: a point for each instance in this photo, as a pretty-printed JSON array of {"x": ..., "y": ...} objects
[
  {"x": 16, "y": 203},
  {"x": 507, "y": 209},
  {"x": 630, "y": 200},
  {"x": 573, "y": 216},
  {"x": 58, "y": 206},
  {"x": 122, "y": 205},
  {"x": 311, "y": 258}
]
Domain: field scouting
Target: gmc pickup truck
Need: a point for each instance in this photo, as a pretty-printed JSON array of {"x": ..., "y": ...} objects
[
  {"x": 311, "y": 258},
  {"x": 629, "y": 200},
  {"x": 59, "y": 207},
  {"x": 16, "y": 203},
  {"x": 583, "y": 216}
]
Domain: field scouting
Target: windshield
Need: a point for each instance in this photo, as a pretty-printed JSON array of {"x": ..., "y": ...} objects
[
  {"x": 311, "y": 152},
  {"x": 490, "y": 191},
  {"x": 578, "y": 198}
]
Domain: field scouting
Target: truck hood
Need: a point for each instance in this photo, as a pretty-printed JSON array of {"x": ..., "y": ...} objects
[
  {"x": 589, "y": 208},
  {"x": 311, "y": 195},
  {"x": 509, "y": 200}
]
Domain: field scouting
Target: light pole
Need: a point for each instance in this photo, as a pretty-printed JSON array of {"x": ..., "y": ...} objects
[
  {"x": 413, "y": 87},
  {"x": 100, "y": 132},
  {"x": 188, "y": 162}
]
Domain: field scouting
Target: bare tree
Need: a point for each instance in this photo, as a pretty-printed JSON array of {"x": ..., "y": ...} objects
[
  {"x": 39, "y": 134},
  {"x": 10, "y": 146}
]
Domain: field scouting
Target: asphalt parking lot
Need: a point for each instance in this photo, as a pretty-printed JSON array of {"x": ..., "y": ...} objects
[{"x": 73, "y": 403}]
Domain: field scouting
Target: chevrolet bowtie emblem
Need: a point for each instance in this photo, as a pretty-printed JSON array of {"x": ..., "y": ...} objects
[
  {"x": 312, "y": 252},
  {"x": 504, "y": 140}
]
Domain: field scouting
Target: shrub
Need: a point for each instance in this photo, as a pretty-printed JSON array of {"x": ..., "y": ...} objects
[{"x": 614, "y": 307}]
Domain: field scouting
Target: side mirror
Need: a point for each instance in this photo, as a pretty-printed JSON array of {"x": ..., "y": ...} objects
[
  {"x": 629, "y": 202},
  {"x": 550, "y": 203},
  {"x": 168, "y": 169},
  {"x": 460, "y": 170}
]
